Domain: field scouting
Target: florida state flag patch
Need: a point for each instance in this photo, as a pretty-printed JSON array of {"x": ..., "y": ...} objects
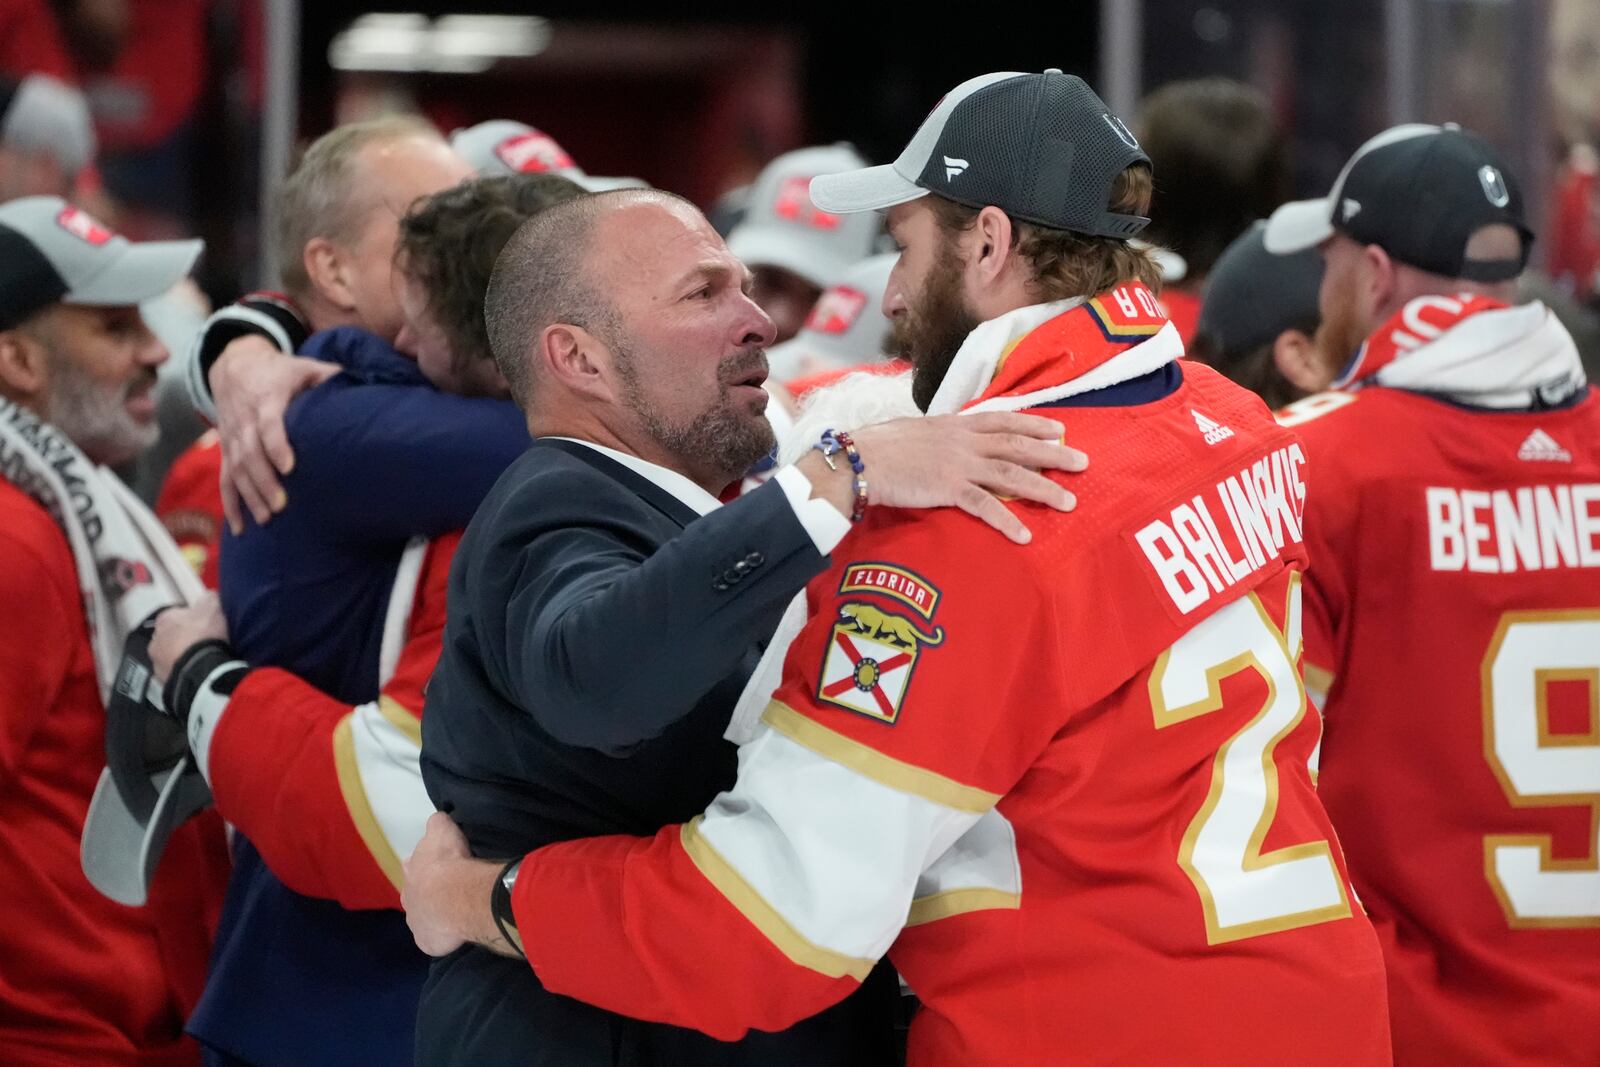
[{"x": 873, "y": 649}]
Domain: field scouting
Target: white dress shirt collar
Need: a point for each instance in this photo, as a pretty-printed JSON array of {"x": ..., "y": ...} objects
[{"x": 682, "y": 489}]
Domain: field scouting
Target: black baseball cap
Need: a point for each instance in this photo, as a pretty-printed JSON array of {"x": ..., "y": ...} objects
[
  {"x": 54, "y": 253},
  {"x": 1419, "y": 192},
  {"x": 1251, "y": 296},
  {"x": 1041, "y": 147}
]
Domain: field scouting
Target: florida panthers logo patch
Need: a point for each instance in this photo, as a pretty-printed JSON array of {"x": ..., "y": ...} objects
[{"x": 872, "y": 651}]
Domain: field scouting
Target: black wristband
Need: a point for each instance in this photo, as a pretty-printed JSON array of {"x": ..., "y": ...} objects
[
  {"x": 500, "y": 905},
  {"x": 196, "y": 664}
]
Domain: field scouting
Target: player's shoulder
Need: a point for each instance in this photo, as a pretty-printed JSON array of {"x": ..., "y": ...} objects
[{"x": 33, "y": 550}]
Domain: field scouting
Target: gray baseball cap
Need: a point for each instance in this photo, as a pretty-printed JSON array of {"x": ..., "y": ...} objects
[
  {"x": 500, "y": 147},
  {"x": 40, "y": 114},
  {"x": 783, "y": 228},
  {"x": 846, "y": 327},
  {"x": 1041, "y": 147},
  {"x": 54, "y": 253},
  {"x": 1252, "y": 295}
]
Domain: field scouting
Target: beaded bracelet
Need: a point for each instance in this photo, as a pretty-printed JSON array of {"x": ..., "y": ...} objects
[{"x": 831, "y": 444}]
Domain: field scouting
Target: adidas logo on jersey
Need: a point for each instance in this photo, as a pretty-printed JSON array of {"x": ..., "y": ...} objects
[
  {"x": 1540, "y": 446},
  {"x": 1213, "y": 430}
]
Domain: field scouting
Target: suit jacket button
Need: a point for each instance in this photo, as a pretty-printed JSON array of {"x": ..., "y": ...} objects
[
  {"x": 730, "y": 575},
  {"x": 755, "y": 559},
  {"x": 719, "y": 585}
]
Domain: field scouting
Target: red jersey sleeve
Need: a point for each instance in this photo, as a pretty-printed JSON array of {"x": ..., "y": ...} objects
[{"x": 332, "y": 794}]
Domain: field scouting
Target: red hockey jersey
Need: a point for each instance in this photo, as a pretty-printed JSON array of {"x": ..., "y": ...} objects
[
  {"x": 190, "y": 504},
  {"x": 1453, "y": 621},
  {"x": 331, "y": 795},
  {"x": 1065, "y": 782}
]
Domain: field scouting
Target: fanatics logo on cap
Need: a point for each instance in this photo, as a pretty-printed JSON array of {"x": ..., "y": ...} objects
[
  {"x": 793, "y": 203},
  {"x": 836, "y": 310},
  {"x": 1213, "y": 430},
  {"x": 954, "y": 168},
  {"x": 534, "y": 152},
  {"x": 1540, "y": 447},
  {"x": 83, "y": 226}
]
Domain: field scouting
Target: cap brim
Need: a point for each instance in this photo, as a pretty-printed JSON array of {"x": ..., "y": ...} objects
[
  {"x": 1299, "y": 225},
  {"x": 119, "y": 852},
  {"x": 872, "y": 189},
  {"x": 788, "y": 248},
  {"x": 145, "y": 269}
]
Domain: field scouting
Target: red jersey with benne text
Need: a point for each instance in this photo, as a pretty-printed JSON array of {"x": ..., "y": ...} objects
[
  {"x": 1453, "y": 620},
  {"x": 1067, "y": 780}
]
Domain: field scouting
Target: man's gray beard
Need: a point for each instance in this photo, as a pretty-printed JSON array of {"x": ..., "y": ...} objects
[
  {"x": 720, "y": 436},
  {"x": 92, "y": 416}
]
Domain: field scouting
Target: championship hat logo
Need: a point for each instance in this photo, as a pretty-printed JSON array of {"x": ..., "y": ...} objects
[
  {"x": 872, "y": 652},
  {"x": 535, "y": 152},
  {"x": 83, "y": 226},
  {"x": 836, "y": 310},
  {"x": 793, "y": 204}
]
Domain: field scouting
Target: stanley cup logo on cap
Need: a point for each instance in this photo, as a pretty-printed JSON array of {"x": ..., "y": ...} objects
[
  {"x": 1494, "y": 186},
  {"x": 83, "y": 226}
]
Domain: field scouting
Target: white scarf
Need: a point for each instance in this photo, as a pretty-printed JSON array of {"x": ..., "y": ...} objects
[
  {"x": 128, "y": 566},
  {"x": 970, "y": 373},
  {"x": 1505, "y": 358}
]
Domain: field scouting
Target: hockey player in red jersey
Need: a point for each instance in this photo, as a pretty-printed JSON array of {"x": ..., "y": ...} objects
[
  {"x": 1452, "y": 607},
  {"x": 1063, "y": 786}
]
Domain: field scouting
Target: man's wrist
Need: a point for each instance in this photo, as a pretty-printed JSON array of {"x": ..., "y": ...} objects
[
  {"x": 191, "y": 671},
  {"x": 834, "y": 485}
]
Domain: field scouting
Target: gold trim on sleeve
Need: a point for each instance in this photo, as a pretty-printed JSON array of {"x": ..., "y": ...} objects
[
  {"x": 360, "y": 808},
  {"x": 959, "y": 902},
  {"x": 886, "y": 770},
  {"x": 401, "y": 718},
  {"x": 762, "y": 915}
]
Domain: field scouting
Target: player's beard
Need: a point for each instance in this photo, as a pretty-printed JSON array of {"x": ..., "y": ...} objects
[
  {"x": 935, "y": 324},
  {"x": 1342, "y": 331},
  {"x": 93, "y": 414},
  {"x": 723, "y": 436}
]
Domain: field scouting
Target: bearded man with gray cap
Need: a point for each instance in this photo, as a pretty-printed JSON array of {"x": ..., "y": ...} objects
[
  {"x": 82, "y": 563},
  {"x": 1066, "y": 780},
  {"x": 1452, "y": 610}
]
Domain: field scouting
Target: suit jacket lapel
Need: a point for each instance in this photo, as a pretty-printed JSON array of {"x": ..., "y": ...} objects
[{"x": 643, "y": 487}]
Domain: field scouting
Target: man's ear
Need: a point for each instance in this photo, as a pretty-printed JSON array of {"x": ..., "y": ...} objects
[
  {"x": 989, "y": 246},
  {"x": 1379, "y": 279},
  {"x": 576, "y": 358},
  {"x": 24, "y": 372},
  {"x": 1297, "y": 358},
  {"x": 329, "y": 273}
]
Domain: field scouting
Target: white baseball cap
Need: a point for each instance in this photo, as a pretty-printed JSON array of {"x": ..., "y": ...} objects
[
  {"x": 846, "y": 327},
  {"x": 501, "y": 147},
  {"x": 52, "y": 252},
  {"x": 783, "y": 228}
]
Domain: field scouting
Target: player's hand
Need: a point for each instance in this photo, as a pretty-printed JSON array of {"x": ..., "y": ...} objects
[
  {"x": 964, "y": 461},
  {"x": 252, "y": 383},
  {"x": 446, "y": 892},
  {"x": 178, "y": 629}
]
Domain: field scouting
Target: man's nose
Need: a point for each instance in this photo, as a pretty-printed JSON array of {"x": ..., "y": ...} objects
[
  {"x": 150, "y": 351},
  {"x": 758, "y": 327}
]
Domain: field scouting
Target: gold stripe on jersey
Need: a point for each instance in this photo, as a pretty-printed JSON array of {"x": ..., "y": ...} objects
[
  {"x": 762, "y": 915},
  {"x": 959, "y": 902},
  {"x": 401, "y": 718},
  {"x": 886, "y": 770},
  {"x": 355, "y": 800}
]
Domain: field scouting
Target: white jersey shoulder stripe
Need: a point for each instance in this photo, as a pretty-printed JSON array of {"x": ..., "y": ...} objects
[{"x": 823, "y": 859}]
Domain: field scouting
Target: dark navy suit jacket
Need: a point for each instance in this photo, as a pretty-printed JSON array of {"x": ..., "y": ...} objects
[{"x": 599, "y": 635}]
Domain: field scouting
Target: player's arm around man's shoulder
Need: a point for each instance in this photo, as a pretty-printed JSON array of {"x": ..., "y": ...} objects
[{"x": 802, "y": 875}]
